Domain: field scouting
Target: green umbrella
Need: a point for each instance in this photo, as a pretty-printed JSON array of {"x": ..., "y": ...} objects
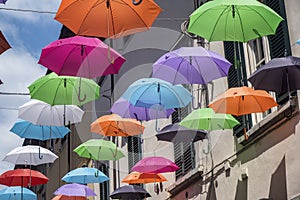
[
  {"x": 98, "y": 149},
  {"x": 233, "y": 20},
  {"x": 207, "y": 119},
  {"x": 64, "y": 90}
]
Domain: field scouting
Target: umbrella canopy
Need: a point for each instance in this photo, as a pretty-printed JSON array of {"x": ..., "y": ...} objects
[
  {"x": 130, "y": 192},
  {"x": 207, "y": 119},
  {"x": 243, "y": 100},
  {"x": 114, "y": 125},
  {"x": 85, "y": 175},
  {"x": 14, "y": 193},
  {"x": 64, "y": 90},
  {"x": 190, "y": 65},
  {"x": 98, "y": 149},
  {"x": 280, "y": 75},
  {"x": 81, "y": 56},
  {"x": 22, "y": 177},
  {"x": 176, "y": 134},
  {"x": 156, "y": 93},
  {"x": 30, "y": 155},
  {"x": 142, "y": 178},
  {"x": 75, "y": 189},
  {"x": 117, "y": 18},
  {"x": 25, "y": 129},
  {"x": 42, "y": 113},
  {"x": 4, "y": 45},
  {"x": 238, "y": 20},
  {"x": 125, "y": 109},
  {"x": 63, "y": 197},
  {"x": 155, "y": 164}
]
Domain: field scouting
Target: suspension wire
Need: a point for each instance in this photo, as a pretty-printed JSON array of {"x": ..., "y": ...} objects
[{"x": 27, "y": 10}]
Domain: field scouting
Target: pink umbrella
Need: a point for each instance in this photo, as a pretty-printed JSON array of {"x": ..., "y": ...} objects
[
  {"x": 155, "y": 165},
  {"x": 81, "y": 56}
]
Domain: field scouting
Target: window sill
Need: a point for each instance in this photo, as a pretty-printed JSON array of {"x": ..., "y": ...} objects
[
  {"x": 277, "y": 117},
  {"x": 185, "y": 181}
]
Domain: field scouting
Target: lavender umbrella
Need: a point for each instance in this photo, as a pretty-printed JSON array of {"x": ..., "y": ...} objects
[
  {"x": 75, "y": 189},
  {"x": 190, "y": 65},
  {"x": 3, "y": 1},
  {"x": 126, "y": 110}
]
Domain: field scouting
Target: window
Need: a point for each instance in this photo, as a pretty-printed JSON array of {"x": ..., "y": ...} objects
[
  {"x": 184, "y": 153},
  {"x": 104, "y": 187}
]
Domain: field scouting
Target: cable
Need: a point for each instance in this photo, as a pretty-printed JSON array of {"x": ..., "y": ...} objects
[{"x": 27, "y": 10}]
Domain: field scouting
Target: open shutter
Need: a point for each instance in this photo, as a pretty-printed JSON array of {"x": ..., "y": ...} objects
[
  {"x": 104, "y": 187},
  {"x": 134, "y": 150},
  {"x": 280, "y": 42},
  {"x": 237, "y": 77}
]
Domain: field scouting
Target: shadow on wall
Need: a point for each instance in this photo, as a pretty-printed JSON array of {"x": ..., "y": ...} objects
[
  {"x": 211, "y": 194},
  {"x": 242, "y": 190}
]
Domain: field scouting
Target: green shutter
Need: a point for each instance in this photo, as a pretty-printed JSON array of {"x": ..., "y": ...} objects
[
  {"x": 237, "y": 77},
  {"x": 280, "y": 42}
]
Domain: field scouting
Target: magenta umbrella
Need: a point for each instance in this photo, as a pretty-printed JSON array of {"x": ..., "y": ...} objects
[
  {"x": 81, "y": 56},
  {"x": 155, "y": 165},
  {"x": 125, "y": 109}
]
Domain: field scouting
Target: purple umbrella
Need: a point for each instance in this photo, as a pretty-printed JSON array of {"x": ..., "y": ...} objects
[
  {"x": 126, "y": 110},
  {"x": 155, "y": 165},
  {"x": 75, "y": 189},
  {"x": 3, "y": 1},
  {"x": 190, "y": 65}
]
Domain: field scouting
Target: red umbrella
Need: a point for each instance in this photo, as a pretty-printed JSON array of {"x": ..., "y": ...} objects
[
  {"x": 3, "y": 43},
  {"x": 22, "y": 177}
]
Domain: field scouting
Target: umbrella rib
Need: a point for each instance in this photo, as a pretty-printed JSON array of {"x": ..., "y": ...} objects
[
  {"x": 241, "y": 23},
  {"x": 198, "y": 65},
  {"x": 215, "y": 24},
  {"x": 178, "y": 68}
]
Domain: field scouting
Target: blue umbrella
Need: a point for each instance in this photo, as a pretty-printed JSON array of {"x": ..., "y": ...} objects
[
  {"x": 85, "y": 175},
  {"x": 153, "y": 92},
  {"x": 16, "y": 193},
  {"x": 25, "y": 129}
]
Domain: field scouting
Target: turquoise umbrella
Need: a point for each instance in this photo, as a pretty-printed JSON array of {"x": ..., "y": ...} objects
[
  {"x": 14, "y": 193},
  {"x": 85, "y": 175}
]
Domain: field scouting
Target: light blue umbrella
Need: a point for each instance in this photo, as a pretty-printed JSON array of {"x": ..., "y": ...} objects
[
  {"x": 16, "y": 193},
  {"x": 153, "y": 92},
  {"x": 25, "y": 129},
  {"x": 85, "y": 175}
]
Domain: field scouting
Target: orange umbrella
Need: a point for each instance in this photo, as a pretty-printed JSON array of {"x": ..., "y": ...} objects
[
  {"x": 107, "y": 18},
  {"x": 243, "y": 100},
  {"x": 138, "y": 177},
  {"x": 114, "y": 125},
  {"x": 62, "y": 197}
]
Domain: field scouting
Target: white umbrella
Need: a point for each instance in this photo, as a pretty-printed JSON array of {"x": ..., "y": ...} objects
[
  {"x": 41, "y": 113},
  {"x": 30, "y": 155}
]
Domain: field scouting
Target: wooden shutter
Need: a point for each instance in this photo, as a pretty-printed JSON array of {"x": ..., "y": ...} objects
[
  {"x": 237, "y": 77},
  {"x": 280, "y": 42},
  {"x": 134, "y": 148}
]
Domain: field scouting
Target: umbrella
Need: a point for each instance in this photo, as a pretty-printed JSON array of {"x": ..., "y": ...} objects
[
  {"x": 85, "y": 175},
  {"x": 14, "y": 193},
  {"x": 41, "y": 113},
  {"x": 25, "y": 129},
  {"x": 238, "y": 20},
  {"x": 156, "y": 93},
  {"x": 117, "y": 18},
  {"x": 280, "y": 75},
  {"x": 207, "y": 119},
  {"x": 125, "y": 109},
  {"x": 4, "y": 45},
  {"x": 243, "y": 100},
  {"x": 30, "y": 155},
  {"x": 190, "y": 65},
  {"x": 81, "y": 56},
  {"x": 98, "y": 149},
  {"x": 3, "y": 1},
  {"x": 22, "y": 177},
  {"x": 63, "y": 197},
  {"x": 64, "y": 90},
  {"x": 155, "y": 164},
  {"x": 142, "y": 178},
  {"x": 75, "y": 189},
  {"x": 176, "y": 134},
  {"x": 130, "y": 192},
  {"x": 114, "y": 125}
]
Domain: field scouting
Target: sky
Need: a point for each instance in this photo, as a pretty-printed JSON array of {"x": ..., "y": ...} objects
[{"x": 27, "y": 33}]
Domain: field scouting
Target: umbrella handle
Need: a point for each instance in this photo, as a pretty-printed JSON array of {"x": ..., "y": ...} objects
[
  {"x": 96, "y": 173},
  {"x": 136, "y": 3},
  {"x": 40, "y": 155}
]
